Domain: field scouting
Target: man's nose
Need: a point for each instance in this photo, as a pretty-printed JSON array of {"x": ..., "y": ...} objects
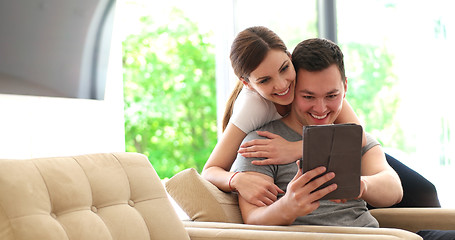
[{"x": 320, "y": 106}]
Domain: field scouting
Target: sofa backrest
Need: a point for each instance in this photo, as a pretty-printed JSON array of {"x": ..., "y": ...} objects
[{"x": 95, "y": 196}]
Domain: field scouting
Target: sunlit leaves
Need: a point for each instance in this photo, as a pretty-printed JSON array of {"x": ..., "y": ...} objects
[{"x": 169, "y": 87}]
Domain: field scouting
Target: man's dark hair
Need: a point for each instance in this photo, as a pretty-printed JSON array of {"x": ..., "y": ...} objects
[{"x": 317, "y": 54}]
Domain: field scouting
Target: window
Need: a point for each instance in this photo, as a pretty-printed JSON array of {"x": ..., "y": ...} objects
[
  {"x": 174, "y": 91},
  {"x": 398, "y": 57},
  {"x": 398, "y": 60}
]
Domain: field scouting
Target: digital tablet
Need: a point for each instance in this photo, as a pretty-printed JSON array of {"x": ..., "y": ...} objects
[{"x": 338, "y": 148}]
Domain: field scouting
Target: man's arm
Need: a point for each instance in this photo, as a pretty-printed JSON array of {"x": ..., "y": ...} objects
[
  {"x": 299, "y": 199},
  {"x": 382, "y": 186}
]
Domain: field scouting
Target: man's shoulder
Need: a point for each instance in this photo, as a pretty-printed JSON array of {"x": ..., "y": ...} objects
[{"x": 273, "y": 127}]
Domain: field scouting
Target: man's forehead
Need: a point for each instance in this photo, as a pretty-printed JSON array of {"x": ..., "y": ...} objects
[{"x": 326, "y": 81}]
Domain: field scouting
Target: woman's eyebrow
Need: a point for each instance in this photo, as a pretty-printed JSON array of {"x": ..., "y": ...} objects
[
  {"x": 283, "y": 65},
  {"x": 262, "y": 78}
]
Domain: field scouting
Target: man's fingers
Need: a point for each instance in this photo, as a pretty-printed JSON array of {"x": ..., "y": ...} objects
[
  {"x": 307, "y": 176},
  {"x": 317, "y": 195},
  {"x": 299, "y": 172}
]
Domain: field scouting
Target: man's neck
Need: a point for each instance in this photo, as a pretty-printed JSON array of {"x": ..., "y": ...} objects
[{"x": 292, "y": 122}]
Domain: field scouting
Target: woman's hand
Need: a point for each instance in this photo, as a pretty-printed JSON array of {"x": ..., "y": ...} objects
[
  {"x": 275, "y": 149},
  {"x": 255, "y": 189}
]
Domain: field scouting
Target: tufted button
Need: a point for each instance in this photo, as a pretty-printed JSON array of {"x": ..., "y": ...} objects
[
  {"x": 93, "y": 208},
  {"x": 131, "y": 203},
  {"x": 53, "y": 215}
]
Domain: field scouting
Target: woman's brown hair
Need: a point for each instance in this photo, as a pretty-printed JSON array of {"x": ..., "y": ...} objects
[{"x": 248, "y": 51}]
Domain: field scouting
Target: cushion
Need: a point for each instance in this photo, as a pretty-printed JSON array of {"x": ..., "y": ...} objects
[{"x": 201, "y": 200}]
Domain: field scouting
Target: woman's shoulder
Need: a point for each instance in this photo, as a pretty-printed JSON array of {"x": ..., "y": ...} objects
[
  {"x": 250, "y": 94},
  {"x": 251, "y": 111}
]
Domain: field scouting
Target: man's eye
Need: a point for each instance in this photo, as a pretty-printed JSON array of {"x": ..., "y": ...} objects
[
  {"x": 331, "y": 96},
  {"x": 308, "y": 97}
]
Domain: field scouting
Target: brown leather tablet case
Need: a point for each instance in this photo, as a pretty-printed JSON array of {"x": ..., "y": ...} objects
[{"x": 338, "y": 148}]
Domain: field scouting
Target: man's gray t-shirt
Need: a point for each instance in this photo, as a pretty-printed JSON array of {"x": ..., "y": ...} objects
[{"x": 353, "y": 213}]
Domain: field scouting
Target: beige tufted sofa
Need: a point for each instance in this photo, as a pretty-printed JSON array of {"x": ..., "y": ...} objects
[
  {"x": 120, "y": 196},
  {"x": 207, "y": 206}
]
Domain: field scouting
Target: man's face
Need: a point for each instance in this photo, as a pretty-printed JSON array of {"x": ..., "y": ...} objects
[{"x": 319, "y": 96}]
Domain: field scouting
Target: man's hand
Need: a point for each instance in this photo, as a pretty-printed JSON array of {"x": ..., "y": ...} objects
[
  {"x": 301, "y": 197},
  {"x": 275, "y": 149},
  {"x": 255, "y": 189}
]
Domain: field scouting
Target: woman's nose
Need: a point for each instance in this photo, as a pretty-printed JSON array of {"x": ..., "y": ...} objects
[{"x": 281, "y": 83}]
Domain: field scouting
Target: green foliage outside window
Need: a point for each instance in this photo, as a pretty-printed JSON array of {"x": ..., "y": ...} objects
[
  {"x": 372, "y": 91},
  {"x": 169, "y": 94}
]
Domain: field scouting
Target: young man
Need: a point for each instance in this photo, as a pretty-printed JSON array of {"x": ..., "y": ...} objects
[{"x": 320, "y": 90}]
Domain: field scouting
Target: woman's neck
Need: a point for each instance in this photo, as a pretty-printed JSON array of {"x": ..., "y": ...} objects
[{"x": 282, "y": 110}]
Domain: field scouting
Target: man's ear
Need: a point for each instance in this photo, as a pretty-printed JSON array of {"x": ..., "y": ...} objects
[{"x": 345, "y": 86}]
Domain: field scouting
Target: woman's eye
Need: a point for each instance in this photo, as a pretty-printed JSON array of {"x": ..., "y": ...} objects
[
  {"x": 284, "y": 68},
  {"x": 264, "y": 80}
]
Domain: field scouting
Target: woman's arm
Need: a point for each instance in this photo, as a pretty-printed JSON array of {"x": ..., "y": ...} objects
[
  {"x": 382, "y": 186},
  {"x": 347, "y": 115},
  {"x": 216, "y": 170},
  {"x": 277, "y": 150}
]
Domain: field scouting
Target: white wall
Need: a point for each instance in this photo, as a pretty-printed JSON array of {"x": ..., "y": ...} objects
[{"x": 48, "y": 126}]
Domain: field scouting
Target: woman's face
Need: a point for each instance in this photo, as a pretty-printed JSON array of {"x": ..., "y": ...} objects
[{"x": 274, "y": 78}]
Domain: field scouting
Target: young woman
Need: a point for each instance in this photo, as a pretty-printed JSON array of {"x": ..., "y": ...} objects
[{"x": 263, "y": 65}]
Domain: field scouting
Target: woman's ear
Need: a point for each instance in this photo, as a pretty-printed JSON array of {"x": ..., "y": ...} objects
[{"x": 246, "y": 83}]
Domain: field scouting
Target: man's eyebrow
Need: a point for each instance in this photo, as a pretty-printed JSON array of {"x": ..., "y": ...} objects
[
  {"x": 333, "y": 91},
  {"x": 306, "y": 91},
  {"x": 312, "y": 93}
]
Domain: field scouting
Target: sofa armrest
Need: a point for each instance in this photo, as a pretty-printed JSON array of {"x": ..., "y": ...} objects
[
  {"x": 240, "y": 234},
  {"x": 306, "y": 231},
  {"x": 415, "y": 219}
]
